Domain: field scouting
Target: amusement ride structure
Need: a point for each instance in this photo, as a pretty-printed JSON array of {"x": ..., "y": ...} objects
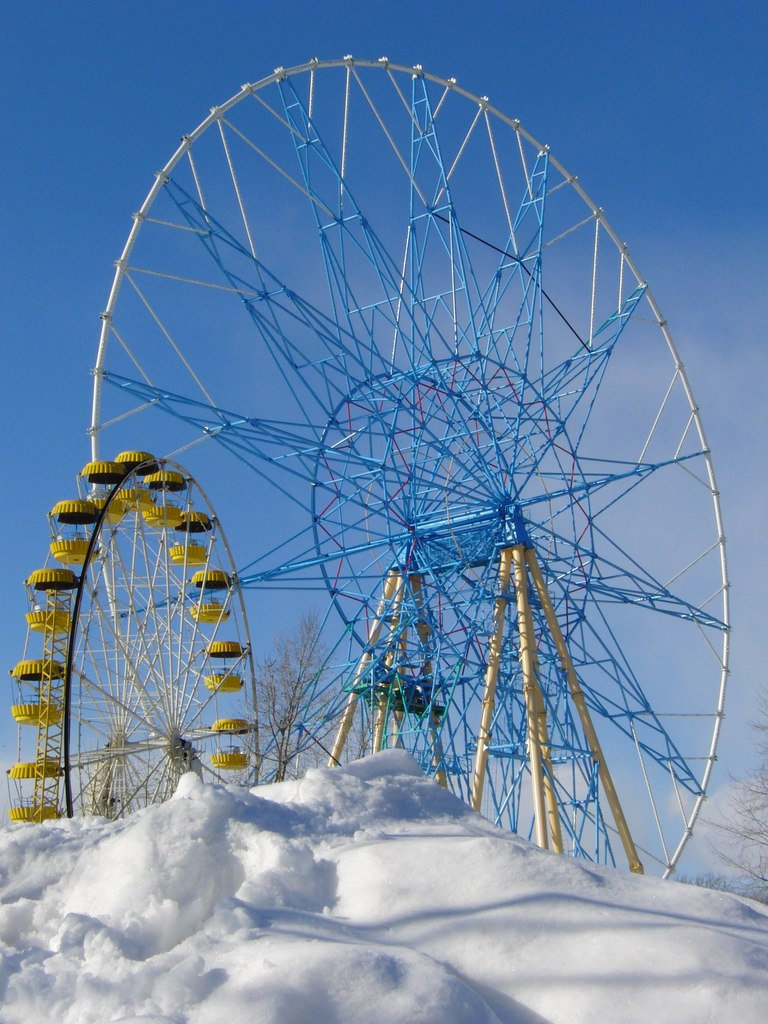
[
  {"x": 441, "y": 410},
  {"x": 146, "y": 670}
]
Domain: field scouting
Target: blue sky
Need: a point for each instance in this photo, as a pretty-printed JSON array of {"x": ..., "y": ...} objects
[{"x": 657, "y": 107}]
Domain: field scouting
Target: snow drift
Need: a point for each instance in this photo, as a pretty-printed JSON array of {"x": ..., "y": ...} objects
[{"x": 355, "y": 895}]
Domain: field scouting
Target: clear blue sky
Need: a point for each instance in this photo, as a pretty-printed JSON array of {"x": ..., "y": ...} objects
[{"x": 657, "y": 107}]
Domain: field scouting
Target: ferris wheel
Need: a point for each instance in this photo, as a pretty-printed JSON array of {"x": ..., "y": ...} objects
[
  {"x": 146, "y": 670},
  {"x": 449, "y": 416}
]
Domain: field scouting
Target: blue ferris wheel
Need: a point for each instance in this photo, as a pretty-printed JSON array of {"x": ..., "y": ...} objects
[{"x": 441, "y": 411}]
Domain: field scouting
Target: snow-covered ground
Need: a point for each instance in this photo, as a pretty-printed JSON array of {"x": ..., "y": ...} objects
[{"x": 364, "y": 894}]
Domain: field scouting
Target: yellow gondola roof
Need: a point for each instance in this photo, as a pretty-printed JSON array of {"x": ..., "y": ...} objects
[
  {"x": 30, "y": 669},
  {"x": 165, "y": 480},
  {"x": 225, "y": 649},
  {"x": 132, "y": 459},
  {"x": 52, "y": 579},
  {"x": 231, "y": 725},
  {"x": 211, "y": 579},
  {"x": 100, "y": 472},
  {"x": 45, "y": 768},
  {"x": 76, "y": 512},
  {"x": 195, "y": 522}
]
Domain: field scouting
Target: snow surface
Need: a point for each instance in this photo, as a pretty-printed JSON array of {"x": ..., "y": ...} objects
[{"x": 362, "y": 894}]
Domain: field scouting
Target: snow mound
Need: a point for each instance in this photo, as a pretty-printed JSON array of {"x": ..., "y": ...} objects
[{"x": 355, "y": 895}]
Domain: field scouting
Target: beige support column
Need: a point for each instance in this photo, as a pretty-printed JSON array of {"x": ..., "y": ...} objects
[
  {"x": 437, "y": 750},
  {"x": 349, "y": 711},
  {"x": 425, "y": 634},
  {"x": 491, "y": 676},
  {"x": 530, "y": 692},
  {"x": 577, "y": 695},
  {"x": 402, "y": 645},
  {"x": 542, "y": 728},
  {"x": 550, "y": 797},
  {"x": 380, "y": 720}
]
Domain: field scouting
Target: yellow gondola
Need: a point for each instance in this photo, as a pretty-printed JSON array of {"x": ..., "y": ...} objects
[
  {"x": 222, "y": 682},
  {"x": 70, "y": 552},
  {"x": 212, "y": 579},
  {"x": 233, "y": 725},
  {"x": 34, "y": 669},
  {"x": 165, "y": 480},
  {"x": 41, "y": 621},
  {"x": 195, "y": 522},
  {"x": 162, "y": 517},
  {"x": 103, "y": 472},
  {"x": 230, "y": 760},
  {"x": 37, "y": 714},
  {"x": 225, "y": 649},
  {"x": 188, "y": 554},
  {"x": 142, "y": 462},
  {"x": 46, "y": 768},
  {"x": 212, "y": 611},
  {"x": 52, "y": 579},
  {"x": 28, "y": 813},
  {"x": 77, "y": 512}
]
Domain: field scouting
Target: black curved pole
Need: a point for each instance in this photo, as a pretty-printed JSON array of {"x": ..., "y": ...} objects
[{"x": 73, "y": 633}]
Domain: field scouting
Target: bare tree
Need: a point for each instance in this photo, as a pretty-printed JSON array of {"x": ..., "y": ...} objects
[
  {"x": 745, "y": 831},
  {"x": 744, "y": 827},
  {"x": 284, "y": 680},
  {"x": 741, "y": 885}
]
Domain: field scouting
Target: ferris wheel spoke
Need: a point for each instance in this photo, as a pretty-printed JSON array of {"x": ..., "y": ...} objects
[
  {"x": 187, "y": 631},
  {"x": 144, "y": 634},
  {"x": 112, "y": 752},
  {"x": 625, "y": 582},
  {"x": 356, "y": 241},
  {"x": 111, "y": 639},
  {"x": 377, "y": 547},
  {"x": 388, "y": 134},
  {"x": 169, "y": 338},
  {"x": 236, "y": 187},
  {"x": 463, "y": 144},
  {"x": 93, "y": 690},
  {"x": 620, "y": 699},
  {"x": 457, "y": 317},
  {"x": 280, "y": 446},
  {"x": 278, "y": 168},
  {"x": 619, "y": 484},
  {"x": 140, "y": 777},
  {"x": 276, "y": 310},
  {"x": 162, "y": 610}
]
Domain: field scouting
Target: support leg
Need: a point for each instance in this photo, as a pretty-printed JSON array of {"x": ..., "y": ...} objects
[
  {"x": 425, "y": 635},
  {"x": 530, "y": 693},
  {"x": 491, "y": 676},
  {"x": 349, "y": 711},
  {"x": 382, "y": 708},
  {"x": 577, "y": 695}
]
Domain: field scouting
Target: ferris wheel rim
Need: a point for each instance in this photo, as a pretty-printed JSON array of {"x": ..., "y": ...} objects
[{"x": 155, "y": 740}]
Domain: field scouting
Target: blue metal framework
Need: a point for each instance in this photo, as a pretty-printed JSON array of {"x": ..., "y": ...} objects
[{"x": 398, "y": 333}]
